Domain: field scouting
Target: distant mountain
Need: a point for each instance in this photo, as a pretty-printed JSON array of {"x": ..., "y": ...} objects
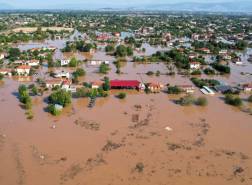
[
  {"x": 239, "y": 6},
  {"x": 4, "y": 6}
]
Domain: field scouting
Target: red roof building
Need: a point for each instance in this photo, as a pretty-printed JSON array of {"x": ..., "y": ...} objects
[{"x": 124, "y": 83}]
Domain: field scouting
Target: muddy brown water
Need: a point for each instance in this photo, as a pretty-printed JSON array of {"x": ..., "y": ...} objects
[{"x": 206, "y": 144}]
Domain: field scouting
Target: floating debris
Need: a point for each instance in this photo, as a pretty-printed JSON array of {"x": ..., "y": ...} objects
[{"x": 168, "y": 128}]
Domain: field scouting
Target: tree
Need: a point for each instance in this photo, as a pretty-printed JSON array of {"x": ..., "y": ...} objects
[
  {"x": 62, "y": 97},
  {"x": 109, "y": 48},
  {"x": 50, "y": 108},
  {"x": 106, "y": 85},
  {"x": 122, "y": 95},
  {"x": 35, "y": 53},
  {"x": 85, "y": 84},
  {"x": 28, "y": 104},
  {"x": 21, "y": 89},
  {"x": 50, "y": 62},
  {"x": 202, "y": 101},
  {"x": 24, "y": 97},
  {"x": 229, "y": 98},
  {"x": 82, "y": 92},
  {"x": 80, "y": 72},
  {"x": 14, "y": 52},
  {"x": 88, "y": 47},
  {"x": 237, "y": 102},
  {"x": 56, "y": 112},
  {"x": 250, "y": 98},
  {"x": 34, "y": 90},
  {"x": 174, "y": 90},
  {"x": 1, "y": 76},
  {"x": 101, "y": 92},
  {"x": 75, "y": 79},
  {"x": 56, "y": 87},
  {"x": 73, "y": 62},
  {"x": 93, "y": 92},
  {"x": 41, "y": 91},
  {"x": 187, "y": 100}
]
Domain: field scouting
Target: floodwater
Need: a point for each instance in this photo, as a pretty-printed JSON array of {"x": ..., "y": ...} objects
[{"x": 206, "y": 144}]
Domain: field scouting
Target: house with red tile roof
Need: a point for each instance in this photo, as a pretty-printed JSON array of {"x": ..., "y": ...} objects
[
  {"x": 205, "y": 50},
  {"x": 194, "y": 65},
  {"x": 23, "y": 69},
  {"x": 237, "y": 61},
  {"x": 247, "y": 87},
  {"x": 154, "y": 85},
  {"x": 96, "y": 84}
]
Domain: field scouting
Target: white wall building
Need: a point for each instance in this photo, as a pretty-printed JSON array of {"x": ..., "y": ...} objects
[{"x": 64, "y": 61}]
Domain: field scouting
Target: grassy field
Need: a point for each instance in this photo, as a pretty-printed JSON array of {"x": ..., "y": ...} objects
[{"x": 43, "y": 28}]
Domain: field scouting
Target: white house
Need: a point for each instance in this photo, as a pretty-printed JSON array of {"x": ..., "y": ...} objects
[
  {"x": 61, "y": 73},
  {"x": 52, "y": 47},
  {"x": 186, "y": 88},
  {"x": 247, "y": 87},
  {"x": 169, "y": 43},
  {"x": 195, "y": 36},
  {"x": 33, "y": 62},
  {"x": 237, "y": 61},
  {"x": 2, "y": 55},
  {"x": 95, "y": 62},
  {"x": 96, "y": 84},
  {"x": 5, "y": 71},
  {"x": 19, "y": 62},
  {"x": 53, "y": 83},
  {"x": 64, "y": 61},
  {"x": 106, "y": 62},
  {"x": 194, "y": 65},
  {"x": 23, "y": 69}
]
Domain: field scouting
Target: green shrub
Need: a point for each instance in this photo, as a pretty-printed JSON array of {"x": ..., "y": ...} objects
[
  {"x": 187, "y": 100},
  {"x": 56, "y": 112},
  {"x": 30, "y": 117},
  {"x": 250, "y": 98},
  {"x": 122, "y": 95},
  {"x": 202, "y": 101}
]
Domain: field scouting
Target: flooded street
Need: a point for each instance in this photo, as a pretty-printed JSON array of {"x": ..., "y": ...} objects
[{"x": 207, "y": 145}]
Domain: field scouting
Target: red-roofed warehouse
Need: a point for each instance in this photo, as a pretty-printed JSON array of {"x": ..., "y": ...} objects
[{"x": 123, "y": 84}]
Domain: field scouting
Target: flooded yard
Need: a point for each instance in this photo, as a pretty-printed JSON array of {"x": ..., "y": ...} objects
[{"x": 207, "y": 145}]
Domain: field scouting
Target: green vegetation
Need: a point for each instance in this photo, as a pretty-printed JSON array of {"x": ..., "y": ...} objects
[
  {"x": 104, "y": 68},
  {"x": 85, "y": 84},
  {"x": 62, "y": 97},
  {"x": 21, "y": 88},
  {"x": 109, "y": 48},
  {"x": 221, "y": 68},
  {"x": 80, "y": 72},
  {"x": 250, "y": 98},
  {"x": 197, "y": 72},
  {"x": 30, "y": 117},
  {"x": 1, "y": 76},
  {"x": 202, "y": 101},
  {"x": 51, "y": 108},
  {"x": 230, "y": 99},
  {"x": 150, "y": 73},
  {"x": 204, "y": 82},
  {"x": 56, "y": 87},
  {"x": 122, "y": 51},
  {"x": 73, "y": 62},
  {"x": 82, "y": 92},
  {"x": 209, "y": 71},
  {"x": 122, "y": 95},
  {"x": 106, "y": 85},
  {"x": 187, "y": 100},
  {"x": 174, "y": 90}
]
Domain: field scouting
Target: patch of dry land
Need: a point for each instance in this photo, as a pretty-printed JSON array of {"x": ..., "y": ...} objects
[{"x": 43, "y": 28}]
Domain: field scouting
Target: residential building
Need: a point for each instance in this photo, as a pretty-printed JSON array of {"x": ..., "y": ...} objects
[
  {"x": 5, "y": 71},
  {"x": 78, "y": 85},
  {"x": 117, "y": 34},
  {"x": 223, "y": 51},
  {"x": 96, "y": 84},
  {"x": 94, "y": 62},
  {"x": 23, "y": 69},
  {"x": 181, "y": 41},
  {"x": 205, "y": 50},
  {"x": 154, "y": 85},
  {"x": 106, "y": 62},
  {"x": 191, "y": 55},
  {"x": 33, "y": 62},
  {"x": 2, "y": 55},
  {"x": 52, "y": 47},
  {"x": 247, "y": 87},
  {"x": 53, "y": 83},
  {"x": 206, "y": 90},
  {"x": 186, "y": 88},
  {"x": 64, "y": 61},
  {"x": 124, "y": 84},
  {"x": 58, "y": 73},
  {"x": 66, "y": 84},
  {"x": 194, "y": 65},
  {"x": 19, "y": 62},
  {"x": 169, "y": 43},
  {"x": 195, "y": 36},
  {"x": 237, "y": 61}
]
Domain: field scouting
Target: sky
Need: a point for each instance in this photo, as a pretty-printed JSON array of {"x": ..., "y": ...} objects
[{"x": 16, "y": 3}]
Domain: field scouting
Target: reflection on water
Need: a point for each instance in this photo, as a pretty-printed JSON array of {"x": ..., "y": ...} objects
[{"x": 23, "y": 78}]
